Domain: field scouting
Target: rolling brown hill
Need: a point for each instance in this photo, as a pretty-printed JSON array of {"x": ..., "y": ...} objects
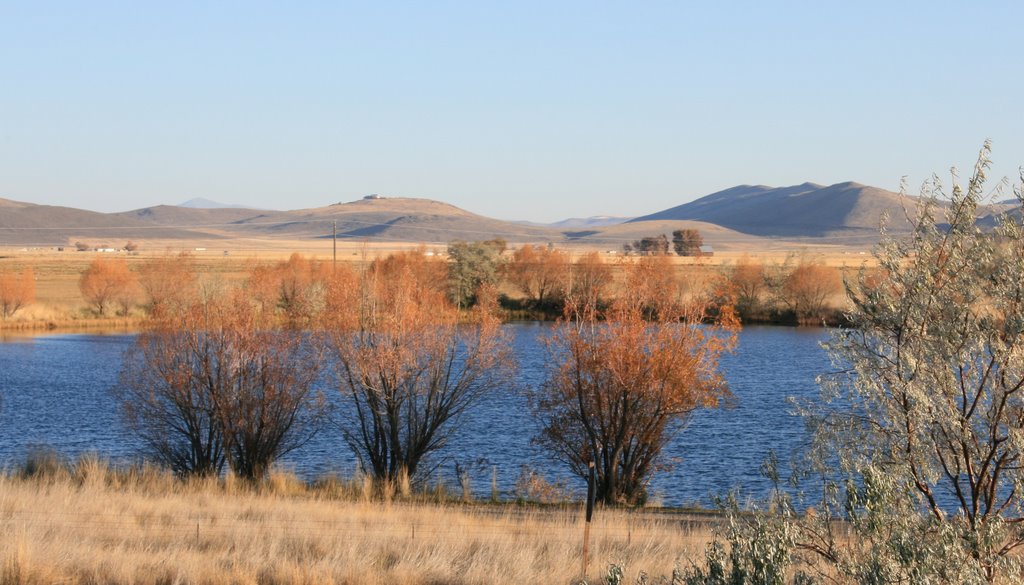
[
  {"x": 193, "y": 217},
  {"x": 392, "y": 218},
  {"x": 840, "y": 211},
  {"x": 28, "y": 224},
  {"x": 396, "y": 219}
]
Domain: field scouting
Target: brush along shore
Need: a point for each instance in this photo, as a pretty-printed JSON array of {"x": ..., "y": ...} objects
[{"x": 763, "y": 292}]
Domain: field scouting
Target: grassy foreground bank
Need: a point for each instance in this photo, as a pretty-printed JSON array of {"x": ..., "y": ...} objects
[{"x": 88, "y": 523}]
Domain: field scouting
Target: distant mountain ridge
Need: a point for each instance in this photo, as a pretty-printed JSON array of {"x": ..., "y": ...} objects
[
  {"x": 203, "y": 203},
  {"x": 580, "y": 222},
  {"x": 589, "y": 222}
]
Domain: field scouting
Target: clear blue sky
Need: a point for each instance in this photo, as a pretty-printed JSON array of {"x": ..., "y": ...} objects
[{"x": 515, "y": 110}]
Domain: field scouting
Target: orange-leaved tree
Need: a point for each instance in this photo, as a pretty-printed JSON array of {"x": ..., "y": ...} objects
[
  {"x": 294, "y": 289},
  {"x": 808, "y": 288},
  {"x": 16, "y": 291},
  {"x": 589, "y": 279},
  {"x": 109, "y": 282},
  {"x": 169, "y": 283},
  {"x": 749, "y": 283},
  {"x": 216, "y": 383},
  {"x": 540, "y": 272},
  {"x": 409, "y": 364},
  {"x": 624, "y": 379}
]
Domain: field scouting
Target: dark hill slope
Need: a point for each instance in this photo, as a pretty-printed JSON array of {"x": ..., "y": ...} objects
[{"x": 802, "y": 211}]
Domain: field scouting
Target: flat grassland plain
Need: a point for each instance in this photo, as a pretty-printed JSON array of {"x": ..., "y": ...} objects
[{"x": 86, "y": 523}]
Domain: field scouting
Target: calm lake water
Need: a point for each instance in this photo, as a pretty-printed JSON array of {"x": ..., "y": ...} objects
[{"x": 55, "y": 391}]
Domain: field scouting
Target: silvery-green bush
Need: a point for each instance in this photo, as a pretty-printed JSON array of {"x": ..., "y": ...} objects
[
  {"x": 917, "y": 450},
  {"x": 926, "y": 411}
]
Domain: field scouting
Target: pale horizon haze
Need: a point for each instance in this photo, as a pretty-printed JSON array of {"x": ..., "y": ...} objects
[{"x": 533, "y": 111}]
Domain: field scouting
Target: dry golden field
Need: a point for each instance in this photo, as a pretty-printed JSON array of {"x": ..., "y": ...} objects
[{"x": 89, "y": 524}]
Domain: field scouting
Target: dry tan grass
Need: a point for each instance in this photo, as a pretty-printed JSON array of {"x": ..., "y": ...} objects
[{"x": 92, "y": 525}]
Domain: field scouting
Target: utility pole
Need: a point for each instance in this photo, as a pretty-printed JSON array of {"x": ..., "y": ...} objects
[{"x": 334, "y": 266}]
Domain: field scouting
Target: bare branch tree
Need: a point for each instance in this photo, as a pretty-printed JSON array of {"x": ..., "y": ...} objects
[
  {"x": 622, "y": 380},
  {"x": 215, "y": 384},
  {"x": 407, "y": 365}
]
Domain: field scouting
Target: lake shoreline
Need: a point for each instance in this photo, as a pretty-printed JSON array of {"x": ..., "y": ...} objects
[
  {"x": 131, "y": 325},
  {"x": 71, "y": 326}
]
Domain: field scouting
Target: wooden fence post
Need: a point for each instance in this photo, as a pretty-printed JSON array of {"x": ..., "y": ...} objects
[{"x": 591, "y": 493}]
